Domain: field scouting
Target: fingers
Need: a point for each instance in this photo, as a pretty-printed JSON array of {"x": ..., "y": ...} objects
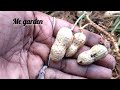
[
  {"x": 108, "y": 61},
  {"x": 90, "y": 71},
  {"x": 56, "y": 74},
  {"x": 91, "y": 38},
  {"x": 98, "y": 72}
]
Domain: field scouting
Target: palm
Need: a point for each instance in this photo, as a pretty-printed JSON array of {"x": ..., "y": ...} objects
[{"x": 26, "y": 50}]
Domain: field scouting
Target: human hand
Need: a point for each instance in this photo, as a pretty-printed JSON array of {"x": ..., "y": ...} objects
[{"x": 25, "y": 50}]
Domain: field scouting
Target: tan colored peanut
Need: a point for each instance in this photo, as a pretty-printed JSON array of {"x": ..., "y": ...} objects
[
  {"x": 63, "y": 40},
  {"x": 96, "y": 53},
  {"x": 78, "y": 41}
]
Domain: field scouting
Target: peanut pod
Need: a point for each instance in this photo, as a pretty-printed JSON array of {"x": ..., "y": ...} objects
[
  {"x": 96, "y": 53},
  {"x": 63, "y": 40},
  {"x": 78, "y": 41}
]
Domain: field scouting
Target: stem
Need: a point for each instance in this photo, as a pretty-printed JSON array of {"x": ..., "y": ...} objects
[
  {"x": 84, "y": 26},
  {"x": 78, "y": 20},
  {"x": 80, "y": 23}
]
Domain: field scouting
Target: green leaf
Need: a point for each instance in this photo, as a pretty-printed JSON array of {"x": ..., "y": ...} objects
[
  {"x": 118, "y": 27},
  {"x": 116, "y": 21},
  {"x": 113, "y": 27}
]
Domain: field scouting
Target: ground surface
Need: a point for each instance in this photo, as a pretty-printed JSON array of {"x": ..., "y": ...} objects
[{"x": 97, "y": 17}]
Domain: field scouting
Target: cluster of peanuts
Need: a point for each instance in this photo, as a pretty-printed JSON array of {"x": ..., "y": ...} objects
[{"x": 66, "y": 45}]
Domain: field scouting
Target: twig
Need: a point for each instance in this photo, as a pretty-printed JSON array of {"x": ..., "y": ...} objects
[
  {"x": 84, "y": 26},
  {"x": 116, "y": 48},
  {"x": 78, "y": 20},
  {"x": 103, "y": 26},
  {"x": 80, "y": 23}
]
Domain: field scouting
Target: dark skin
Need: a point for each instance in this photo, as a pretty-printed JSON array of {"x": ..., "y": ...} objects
[{"x": 25, "y": 49}]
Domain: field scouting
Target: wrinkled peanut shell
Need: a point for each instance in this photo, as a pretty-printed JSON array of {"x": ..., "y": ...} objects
[
  {"x": 78, "y": 41},
  {"x": 63, "y": 40},
  {"x": 96, "y": 53}
]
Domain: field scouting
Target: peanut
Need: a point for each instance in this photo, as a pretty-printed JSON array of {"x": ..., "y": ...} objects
[
  {"x": 63, "y": 40},
  {"x": 78, "y": 41},
  {"x": 96, "y": 53}
]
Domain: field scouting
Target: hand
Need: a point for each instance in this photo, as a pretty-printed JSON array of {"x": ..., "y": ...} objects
[{"x": 25, "y": 49}]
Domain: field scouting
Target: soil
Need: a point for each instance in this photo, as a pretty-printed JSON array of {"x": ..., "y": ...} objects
[{"x": 96, "y": 17}]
